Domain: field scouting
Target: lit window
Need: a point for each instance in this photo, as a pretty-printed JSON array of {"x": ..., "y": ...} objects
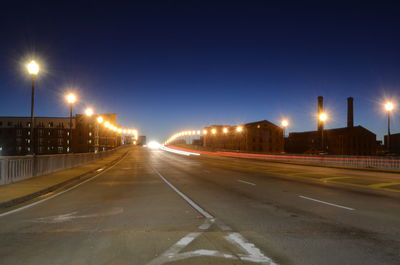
[
  {"x": 90, "y": 133},
  {"x": 90, "y": 141}
]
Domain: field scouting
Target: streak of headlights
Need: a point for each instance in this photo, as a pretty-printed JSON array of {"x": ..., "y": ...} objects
[{"x": 180, "y": 152}]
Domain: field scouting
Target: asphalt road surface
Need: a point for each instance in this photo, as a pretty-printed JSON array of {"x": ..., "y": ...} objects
[{"x": 154, "y": 207}]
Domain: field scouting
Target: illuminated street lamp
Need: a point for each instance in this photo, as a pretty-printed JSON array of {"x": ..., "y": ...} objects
[
  {"x": 389, "y": 106},
  {"x": 89, "y": 112},
  {"x": 33, "y": 70},
  {"x": 285, "y": 124},
  {"x": 239, "y": 129},
  {"x": 213, "y": 131},
  {"x": 322, "y": 117},
  {"x": 71, "y": 99},
  {"x": 225, "y": 130},
  {"x": 100, "y": 120}
]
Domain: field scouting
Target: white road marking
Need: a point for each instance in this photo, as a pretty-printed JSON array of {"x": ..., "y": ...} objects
[
  {"x": 186, "y": 198},
  {"x": 253, "y": 254},
  {"x": 328, "y": 203},
  {"x": 57, "y": 194},
  {"x": 245, "y": 182},
  {"x": 70, "y": 216}
]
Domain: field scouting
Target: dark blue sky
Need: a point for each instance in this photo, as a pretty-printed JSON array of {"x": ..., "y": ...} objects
[{"x": 170, "y": 65}]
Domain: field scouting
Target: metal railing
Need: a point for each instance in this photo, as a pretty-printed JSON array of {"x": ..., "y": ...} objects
[
  {"x": 378, "y": 162},
  {"x": 17, "y": 168}
]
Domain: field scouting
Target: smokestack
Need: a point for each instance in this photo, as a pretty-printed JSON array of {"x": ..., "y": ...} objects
[
  {"x": 350, "y": 117},
  {"x": 320, "y": 109}
]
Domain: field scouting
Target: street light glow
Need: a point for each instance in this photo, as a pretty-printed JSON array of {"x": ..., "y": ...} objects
[
  {"x": 239, "y": 129},
  {"x": 100, "y": 119},
  {"x": 213, "y": 131},
  {"x": 71, "y": 98},
  {"x": 33, "y": 68},
  {"x": 285, "y": 123},
  {"x": 225, "y": 130},
  {"x": 205, "y": 132},
  {"x": 323, "y": 116},
  {"x": 389, "y": 106},
  {"x": 89, "y": 112}
]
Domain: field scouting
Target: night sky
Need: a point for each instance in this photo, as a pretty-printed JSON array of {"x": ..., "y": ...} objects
[{"x": 171, "y": 65}]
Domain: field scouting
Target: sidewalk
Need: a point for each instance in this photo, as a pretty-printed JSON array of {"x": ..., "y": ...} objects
[{"x": 19, "y": 192}]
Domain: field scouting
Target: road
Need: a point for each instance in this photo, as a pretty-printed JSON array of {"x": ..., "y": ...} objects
[{"x": 154, "y": 207}]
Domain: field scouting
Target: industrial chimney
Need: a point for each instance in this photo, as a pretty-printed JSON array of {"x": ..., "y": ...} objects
[
  {"x": 320, "y": 110},
  {"x": 350, "y": 114}
]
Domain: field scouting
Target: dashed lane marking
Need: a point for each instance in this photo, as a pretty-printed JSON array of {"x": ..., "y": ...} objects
[
  {"x": 246, "y": 182},
  {"x": 327, "y": 203}
]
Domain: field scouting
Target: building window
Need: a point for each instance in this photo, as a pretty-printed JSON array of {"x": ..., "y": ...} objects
[
  {"x": 68, "y": 150},
  {"x": 68, "y": 133},
  {"x": 67, "y": 141},
  {"x": 60, "y": 149},
  {"x": 40, "y": 132},
  {"x": 60, "y": 141},
  {"x": 90, "y": 133},
  {"x": 90, "y": 141},
  {"x": 29, "y": 149},
  {"x": 49, "y": 133},
  {"x": 51, "y": 124},
  {"x": 29, "y": 132},
  {"x": 19, "y": 132}
]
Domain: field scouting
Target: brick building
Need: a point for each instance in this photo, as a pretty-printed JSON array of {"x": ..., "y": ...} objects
[
  {"x": 340, "y": 141},
  {"x": 394, "y": 143},
  {"x": 350, "y": 140},
  {"x": 90, "y": 136},
  {"x": 262, "y": 136},
  {"x": 52, "y": 135}
]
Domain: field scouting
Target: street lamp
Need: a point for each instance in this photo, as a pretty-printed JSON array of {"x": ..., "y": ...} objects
[
  {"x": 322, "y": 117},
  {"x": 389, "y": 106},
  {"x": 284, "y": 123},
  {"x": 71, "y": 99},
  {"x": 89, "y": 112},
  {"x": 33, "y": 70}
]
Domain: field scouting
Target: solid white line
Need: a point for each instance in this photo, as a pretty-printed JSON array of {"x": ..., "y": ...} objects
[
  {"x": 186, "y": 198},
  {"x": 58, "y": 194},
  {"x": 328, "y": 203},
  {"x": 245, "y": 182}
]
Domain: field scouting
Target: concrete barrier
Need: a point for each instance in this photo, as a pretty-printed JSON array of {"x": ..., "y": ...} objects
[{"x": 17, "y": 168}]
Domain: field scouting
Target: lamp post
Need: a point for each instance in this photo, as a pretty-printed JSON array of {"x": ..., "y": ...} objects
[
  {"x": 89, "y": 113},
  {"x": 284, "y": 123},
  {"x": 71, "y": 99},
  {"x": 389, "y": 106},
  {"x": 33, "y": 70},
  {"x": 239, "y": 130},
  {"x": 322, "y": 117}
]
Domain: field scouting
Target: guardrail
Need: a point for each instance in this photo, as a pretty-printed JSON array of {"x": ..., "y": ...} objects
[
  {"x": 378, "y": 162},
  {"x": 17, "y": 168}
]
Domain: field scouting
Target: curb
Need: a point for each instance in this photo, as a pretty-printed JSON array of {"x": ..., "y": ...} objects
[{"x": 22, "y": 199}]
